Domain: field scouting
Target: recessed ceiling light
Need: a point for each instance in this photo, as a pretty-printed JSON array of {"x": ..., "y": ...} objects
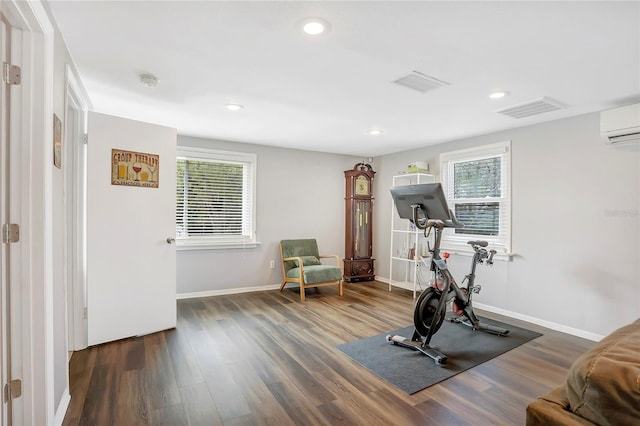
[
  {"x": 498, "y": 95},
  {"x": 148, "y": 80},
  {"x": 315, "y": 26},
  {"x": 234, "y": 107},
  {"x": 375, "y": 132}
]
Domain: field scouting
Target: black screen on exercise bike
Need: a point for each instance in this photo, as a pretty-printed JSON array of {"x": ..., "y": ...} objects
[{"x": 428, "y": 195}]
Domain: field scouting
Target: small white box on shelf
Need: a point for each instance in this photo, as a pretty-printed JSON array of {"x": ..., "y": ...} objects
[{"x": 418, "y": 167}]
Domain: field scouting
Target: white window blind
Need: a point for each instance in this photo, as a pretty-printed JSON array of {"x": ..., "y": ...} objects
[
  {"x": 215, "y": 197},
  {"x": 477, "y": 186}
]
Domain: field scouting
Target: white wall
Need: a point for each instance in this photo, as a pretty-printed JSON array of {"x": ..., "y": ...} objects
[
  {"x": 300, "y": 194},
  {"x": 60, "y": 357},
  {"x": 575, "y": 226},
  {"x": 60, "y": 395},
  {"x": 61, "y": 208}
]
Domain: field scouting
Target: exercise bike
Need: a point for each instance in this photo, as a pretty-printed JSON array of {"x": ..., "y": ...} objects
[{"x": 425, "y": 202}]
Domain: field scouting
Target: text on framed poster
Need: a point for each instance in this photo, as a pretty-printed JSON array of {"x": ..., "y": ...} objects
[{"x": 131, "y": 168}]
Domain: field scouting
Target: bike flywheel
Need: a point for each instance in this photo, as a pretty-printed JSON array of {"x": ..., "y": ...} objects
[{"x": 426, "y": 311}]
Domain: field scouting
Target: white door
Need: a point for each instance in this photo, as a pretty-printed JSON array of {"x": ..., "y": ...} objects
[{"x": 131, "y": 260}]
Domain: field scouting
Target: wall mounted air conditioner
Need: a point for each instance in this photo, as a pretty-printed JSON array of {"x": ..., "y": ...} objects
[{"x": 621, "y": 125}]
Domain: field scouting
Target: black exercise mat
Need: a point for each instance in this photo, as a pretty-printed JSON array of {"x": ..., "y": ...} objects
[{"x": 413, "y": 371}]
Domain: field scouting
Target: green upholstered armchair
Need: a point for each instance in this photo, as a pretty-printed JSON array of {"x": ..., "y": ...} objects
[{"x": 301, "y": 264}]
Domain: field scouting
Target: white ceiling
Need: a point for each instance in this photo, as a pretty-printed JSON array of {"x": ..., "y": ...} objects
[{"x": 324, "y": 93}]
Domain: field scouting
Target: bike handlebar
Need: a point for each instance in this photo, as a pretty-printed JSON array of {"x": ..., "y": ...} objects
[
  {"x": 490, "y": 259},
  {"x": 479, "y": 248}
]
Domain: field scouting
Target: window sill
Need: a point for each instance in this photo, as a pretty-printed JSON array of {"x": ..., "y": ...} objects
[{"x": 189, "y": 245}]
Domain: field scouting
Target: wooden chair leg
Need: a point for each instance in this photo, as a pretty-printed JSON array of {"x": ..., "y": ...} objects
[
  {"x": 282, "y": 285},
  {"x": 340, "y": 292},
  {"x": 301, "y": 292}
]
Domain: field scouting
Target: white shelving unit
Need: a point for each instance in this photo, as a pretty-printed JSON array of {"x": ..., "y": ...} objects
[{"x": 408, "y": 244}]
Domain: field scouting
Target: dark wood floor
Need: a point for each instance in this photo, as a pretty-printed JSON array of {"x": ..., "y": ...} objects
[{"x": 266, "y": 358}]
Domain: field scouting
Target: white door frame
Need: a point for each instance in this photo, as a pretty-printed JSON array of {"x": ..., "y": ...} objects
[
  {"x": 5, "y": 341},
  {"x": 75, "y": 156},
  {"x": 34, "y": 326}
]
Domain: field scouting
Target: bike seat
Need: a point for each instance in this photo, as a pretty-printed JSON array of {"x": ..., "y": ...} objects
[{"x": 478, "y": 243}]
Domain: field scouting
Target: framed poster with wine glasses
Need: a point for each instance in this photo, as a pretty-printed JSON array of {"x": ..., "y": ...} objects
[{"x": 130, "y": 168}]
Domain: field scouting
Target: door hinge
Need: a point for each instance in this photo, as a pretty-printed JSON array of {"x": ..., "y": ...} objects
[
  {"x": 10, "y": 233},
  {"x": 12, "y": 390},
  {"x": 85, "y": 139},
  {"x": 11, "y": 74},
  {"x": 84, "y": 313}
]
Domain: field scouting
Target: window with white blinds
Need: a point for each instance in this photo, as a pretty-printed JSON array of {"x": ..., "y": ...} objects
[
  {"x": 477, "y": 186},
  {"x": 215, "y": 197}
]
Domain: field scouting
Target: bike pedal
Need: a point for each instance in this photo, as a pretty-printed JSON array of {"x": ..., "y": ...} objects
[{"x": 477, "y": 288}]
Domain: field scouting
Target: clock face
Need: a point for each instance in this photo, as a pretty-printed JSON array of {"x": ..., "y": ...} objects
[{"x": 362, "y": 185}]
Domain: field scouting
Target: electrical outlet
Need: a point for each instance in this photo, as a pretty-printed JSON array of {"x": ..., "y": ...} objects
[{"x": 272, "y": 264}]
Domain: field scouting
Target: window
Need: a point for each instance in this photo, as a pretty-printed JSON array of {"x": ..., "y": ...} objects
[
  {"x": 476, "y": 183},
  {"x": 215, "y": 198}
]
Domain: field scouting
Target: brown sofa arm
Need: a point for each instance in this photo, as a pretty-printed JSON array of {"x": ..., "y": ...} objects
[{"x": 553, "y": 410}]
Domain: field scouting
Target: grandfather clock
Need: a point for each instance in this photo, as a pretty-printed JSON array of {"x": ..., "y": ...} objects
[{"x": 358, "y": 263}]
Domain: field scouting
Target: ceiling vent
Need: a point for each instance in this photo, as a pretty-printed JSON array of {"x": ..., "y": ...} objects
[
  {"x": 527, "y": 109},
  {"x": 420, "y": 82}
]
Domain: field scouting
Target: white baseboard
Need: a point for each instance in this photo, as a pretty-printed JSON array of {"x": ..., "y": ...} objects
[
  {"x": 548, "y": 324},
  {"x": 226, "y": 291},
  {"x": 544, "y": 323},
  {"x": 62, "y": 408}
]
